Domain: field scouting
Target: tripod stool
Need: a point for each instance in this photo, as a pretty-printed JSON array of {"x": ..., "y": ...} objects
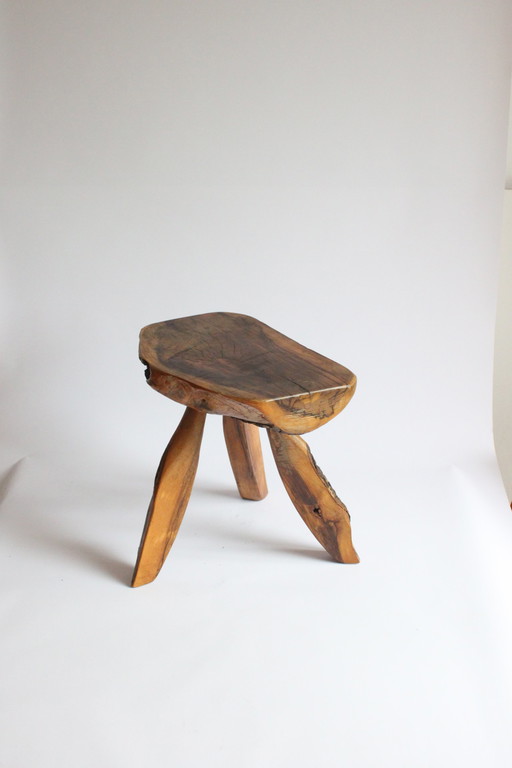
[{"x": 254, "y": 376}]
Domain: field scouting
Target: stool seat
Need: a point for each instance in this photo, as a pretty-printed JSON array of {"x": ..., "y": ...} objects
[{"x": 235, "y": 365}]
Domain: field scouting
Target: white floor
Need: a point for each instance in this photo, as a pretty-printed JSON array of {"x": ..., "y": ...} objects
[{"x": 252, "y": 648}]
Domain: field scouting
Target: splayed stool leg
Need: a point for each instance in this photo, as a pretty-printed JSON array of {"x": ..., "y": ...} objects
[
  {"x": 244, "y": 450},
  {"x": 312, "y": 495},
  {"x": 173, "y": 486}
]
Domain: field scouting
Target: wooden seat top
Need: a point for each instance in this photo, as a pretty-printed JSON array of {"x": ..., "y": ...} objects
[{"x": 240, "y": 358}]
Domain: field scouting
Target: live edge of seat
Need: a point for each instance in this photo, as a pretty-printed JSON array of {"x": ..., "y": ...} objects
[{"x": 294, "y": 415}]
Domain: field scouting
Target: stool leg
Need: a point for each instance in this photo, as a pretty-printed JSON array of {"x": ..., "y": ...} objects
[
  {"x": 173, "y": 485},
  {"x": 325, "y": 515},
  {"x": 244, "y": 450}
]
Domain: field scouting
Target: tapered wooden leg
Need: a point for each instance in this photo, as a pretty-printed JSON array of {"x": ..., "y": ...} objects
[
  {"x": 316, "y": 502},
  {"x": 244, "y": 450},
  {"x": 173, "y": 485}
]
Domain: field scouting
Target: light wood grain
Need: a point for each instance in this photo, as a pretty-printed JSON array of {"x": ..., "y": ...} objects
[
  {"x": 244, "y": 450},
  {"x": 316, "y": 502},
  {"x": 201, "y": 399},
  {"x": 173, "y": 485}
]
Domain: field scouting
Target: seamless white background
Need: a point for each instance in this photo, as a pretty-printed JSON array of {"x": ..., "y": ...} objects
[{"x": 335, "y": 169}]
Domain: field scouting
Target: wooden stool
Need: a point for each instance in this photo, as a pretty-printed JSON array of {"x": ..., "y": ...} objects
[{"x": 253, "y": 376}]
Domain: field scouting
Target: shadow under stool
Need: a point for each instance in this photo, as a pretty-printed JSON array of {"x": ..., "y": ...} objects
[{"x": 254, "y": 376}]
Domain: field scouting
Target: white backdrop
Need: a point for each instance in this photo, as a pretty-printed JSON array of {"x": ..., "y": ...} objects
[{"x": 335, "y": 169}]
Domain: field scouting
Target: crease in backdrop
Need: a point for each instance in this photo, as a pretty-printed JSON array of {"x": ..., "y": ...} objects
[{"x": 502, "y": 412}]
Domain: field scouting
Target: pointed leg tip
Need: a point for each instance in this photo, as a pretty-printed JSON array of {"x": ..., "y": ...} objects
[
  {"x": 346, "y": 558},
  {"x": 139, "y": 580},
  {"x": 351, "y": 558},
  {"x": 258, "y": 496}
]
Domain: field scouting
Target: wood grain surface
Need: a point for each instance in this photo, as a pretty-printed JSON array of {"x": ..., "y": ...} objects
[
  {"x": 316, "y": 502},
  {"x": 244, "y": 450},
  {"x": 235, "y": 365},
  {"x": 173, "y": 485}
]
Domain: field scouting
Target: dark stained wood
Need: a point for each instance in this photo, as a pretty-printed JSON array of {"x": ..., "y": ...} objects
[
  {"x": 234, "y": 365},
  {"x": 244, "y": 450},
  {"x": 317, "y": 503},
  {"x": 173, "y": 485}
]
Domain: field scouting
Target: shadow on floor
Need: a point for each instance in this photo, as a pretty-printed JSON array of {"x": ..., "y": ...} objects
[
  {"x": 57, "y": 532},
  {"x": 254, "y": 542},
  {"x": 7, "y": 479}
]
